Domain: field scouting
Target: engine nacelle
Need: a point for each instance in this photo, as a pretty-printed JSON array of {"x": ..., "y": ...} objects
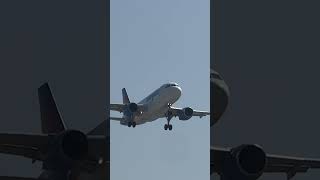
[
  {"x": 186, "y": 114},
  {"x": 73, "y": 144},
  {"x": 245, "y": 162},
  {"x": 65, "y": 150},
  {"x": 133, "y": 107}
]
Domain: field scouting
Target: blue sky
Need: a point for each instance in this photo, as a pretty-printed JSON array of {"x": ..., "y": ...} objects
[{"x": 154, "y": 42}]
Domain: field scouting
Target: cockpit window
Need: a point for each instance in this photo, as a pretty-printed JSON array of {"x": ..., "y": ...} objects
[
  {"x": 216, "y": 76},
  {"x": 169, "y": 85}
]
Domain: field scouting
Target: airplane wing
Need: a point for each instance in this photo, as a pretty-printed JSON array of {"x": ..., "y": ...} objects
[
  {"x": 26, "y": 145},
  {"x": 121, "y": 107},
  {"x": 35, "y": 147},
  {"x": 180, "y": 111},
  {"x": 274, "y": 163},
  {"x": 116, "y": 118},
  {"x": 200, "y": 113},
  {"x": 117, "y": 107},
  {"x": 16, "y": 178}
]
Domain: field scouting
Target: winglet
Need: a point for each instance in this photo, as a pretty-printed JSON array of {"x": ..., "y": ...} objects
[
  {"x": 125, "y": 97},
  {"x": 51, "y": 121}
]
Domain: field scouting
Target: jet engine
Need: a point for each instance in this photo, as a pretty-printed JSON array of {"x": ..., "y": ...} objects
[
  {"x": 73, "y": 144},
  {"x": 186, "y": 114},
  {"x": 245, "y": 162},
  {"x": 133, "y": 107},
  {"x": 65, "y": 149}
]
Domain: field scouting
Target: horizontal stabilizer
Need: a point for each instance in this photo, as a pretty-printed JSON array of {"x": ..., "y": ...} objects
[{"x": 116, "y": 118}]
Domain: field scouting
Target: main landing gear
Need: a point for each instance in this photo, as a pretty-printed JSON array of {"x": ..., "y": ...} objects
[
  {"x": 168, "y": 126},
  {"x": 169, "y": 116},
  {"x": 132, "y": 123}
]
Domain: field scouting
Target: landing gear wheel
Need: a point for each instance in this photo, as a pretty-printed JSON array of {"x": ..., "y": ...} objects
[
  {"x": 168, "y": 126},
  {"x": 129, "y": 124},
  {"x": 169, "y": 116},
  {"x": 134, "y": 124}
]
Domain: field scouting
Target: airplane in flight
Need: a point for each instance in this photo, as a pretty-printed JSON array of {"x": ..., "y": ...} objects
[
  {"x": 247, "y": 161},
  {"x": 157, "y": 105},
  {"x": 66, "y": 154}
]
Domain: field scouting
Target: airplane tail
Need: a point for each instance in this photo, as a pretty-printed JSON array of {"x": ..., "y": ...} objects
[
  {"x": 125, "y": 97},
  {"x": 51, "y": 121}
]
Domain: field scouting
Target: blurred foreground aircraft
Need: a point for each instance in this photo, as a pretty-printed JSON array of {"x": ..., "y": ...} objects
[
  {"x": 66, "y": 154},
  {"x": 247, "y": 161}
]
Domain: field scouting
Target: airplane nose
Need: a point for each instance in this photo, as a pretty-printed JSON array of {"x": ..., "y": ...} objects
[{"x": 178, "y": 91}]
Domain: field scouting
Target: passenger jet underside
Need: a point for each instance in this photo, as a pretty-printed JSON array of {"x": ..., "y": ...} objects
[{"x": 157, "y": 105}]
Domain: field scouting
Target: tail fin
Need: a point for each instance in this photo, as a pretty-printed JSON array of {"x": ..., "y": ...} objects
[
  {"x": 51, "y": 121},
  {"x": 125, "y": 97}
]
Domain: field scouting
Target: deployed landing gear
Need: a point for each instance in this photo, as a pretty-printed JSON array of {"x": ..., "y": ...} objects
[
  {"x": 132, "y": 123},
  {"x": 169, "y": 116},
  {"x": 168, "y": 126}
]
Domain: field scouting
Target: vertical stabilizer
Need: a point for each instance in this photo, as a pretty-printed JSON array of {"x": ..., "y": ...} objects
[
  {"x": 51, "y": 121},
  {"x": 125, "y": 97}
]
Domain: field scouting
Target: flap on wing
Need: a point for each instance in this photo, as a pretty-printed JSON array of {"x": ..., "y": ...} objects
[
  {"x": 27, "y": 152},
  {"x": 16, "y": 178},
  {"x": 274, "y": 161},
  {"x": 289, "y": 165},
  {"x": 283, "y": 168},
  {"x": 29, "y": 140},
  {"x": 26, "y": 145}
]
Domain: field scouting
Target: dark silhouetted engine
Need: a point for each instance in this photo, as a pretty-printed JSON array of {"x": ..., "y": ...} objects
[
  {"x": 133, "y": 107},
  {"x": 245, "y": 162},
  {"x": 70, "y": 145},
  {"x": 65, "y": 150},
  {"x": 74, "y": 144},
  {"x": 186, "y": 114}
]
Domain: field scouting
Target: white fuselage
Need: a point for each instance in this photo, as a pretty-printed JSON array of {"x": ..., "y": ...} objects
[{"x": 157, "y": 103}]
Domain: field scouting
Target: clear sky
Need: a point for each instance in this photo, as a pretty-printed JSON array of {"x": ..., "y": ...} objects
[{"x": 154, "y": 42}]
